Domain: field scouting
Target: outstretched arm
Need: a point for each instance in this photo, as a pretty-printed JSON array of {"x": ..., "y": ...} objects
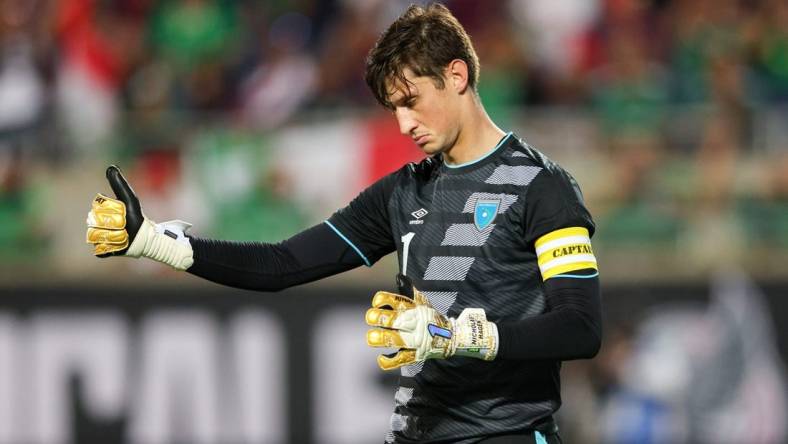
[
  {"x": 118, "y": 227},
  {"x": 313, "y": 254}
]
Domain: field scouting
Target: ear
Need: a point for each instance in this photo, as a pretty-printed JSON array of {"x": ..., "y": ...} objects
[{"x": 457, "y": 75}]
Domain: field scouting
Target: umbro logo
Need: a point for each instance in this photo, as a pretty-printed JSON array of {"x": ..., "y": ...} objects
[{"x": 418, "y": 214}]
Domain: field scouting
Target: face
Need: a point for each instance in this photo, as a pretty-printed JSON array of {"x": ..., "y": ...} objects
[{"x": 425, "y": 113}]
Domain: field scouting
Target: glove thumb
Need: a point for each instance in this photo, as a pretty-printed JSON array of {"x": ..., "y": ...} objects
[{"x": 125, "y": 194}]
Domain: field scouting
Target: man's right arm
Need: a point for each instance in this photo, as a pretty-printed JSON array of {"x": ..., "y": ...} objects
[
  {"x": 313, "y": 254},
  {"x": 357, "y": 234}
]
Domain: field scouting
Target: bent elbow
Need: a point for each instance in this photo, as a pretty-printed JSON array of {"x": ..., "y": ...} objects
[
  {"x": 590, "y": 337},
  {"x": 592, "y": 346}
]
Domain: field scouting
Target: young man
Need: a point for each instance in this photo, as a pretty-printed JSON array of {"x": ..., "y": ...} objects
[{"x": 493, "y": 240}]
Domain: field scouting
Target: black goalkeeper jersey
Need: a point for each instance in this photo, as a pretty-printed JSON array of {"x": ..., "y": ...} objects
[{"x": 465, "y": 236}]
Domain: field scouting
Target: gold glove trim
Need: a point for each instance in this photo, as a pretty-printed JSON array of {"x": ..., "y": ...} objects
[
  {"x": 398, "y": 315},
  {"x": 384, "y": 299},
  {"x": 100, "y": 249},
  {"x": 107, "y": 212},
  {"x": 378, "y": 317},
  {"x": 111, "y": 237},
  {"x": 385, "y": 338},
  {"x": 107, "y": 225},
  {"x": 400, "y": 359}
]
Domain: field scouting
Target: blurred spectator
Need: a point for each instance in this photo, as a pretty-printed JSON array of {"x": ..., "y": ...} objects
[
  {"x": 266, "y": 213},
  {"x": 765, "y": 212},
  {"x": 640, "y": 20},
  {"x": 629, "y": 94},
  {"x": 22, "y": 89},
  {"x": 554, "y": 29},
  {"x": 627, "y": 89},
  {"x": 285, "y": 77},
  {"x": 97, "y": 45},
  {"x": 639, "y": 211},
  {"x": 150, "y": 123},
  {"x": 342, "y": 54},
  {"x": 22, "y": 236},
  {"x": 702, "y": 30},
  {"x": 195, "y": 37},
  {"x": 229, "y": 170},
  {"x": 685, "y": 95},
  {"x": 771, "y": 45},
  {"x": 24, "y": 76},
  {"x": 716, "y": 236},
  {"x": 503, "y": 82}
]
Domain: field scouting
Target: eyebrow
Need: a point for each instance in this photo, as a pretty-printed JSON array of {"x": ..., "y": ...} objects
[
  {"x": 409, "y": 91},
  {"x": 404, "y": 99}
]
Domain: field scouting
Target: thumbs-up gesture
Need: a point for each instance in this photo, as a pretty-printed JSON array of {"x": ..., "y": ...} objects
[
  {"x": 117, "y": 227},
  {"x": 113, "y": 224}
]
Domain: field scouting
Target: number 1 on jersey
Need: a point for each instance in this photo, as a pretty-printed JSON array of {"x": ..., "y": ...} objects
[{"x": 405, "y": 246}]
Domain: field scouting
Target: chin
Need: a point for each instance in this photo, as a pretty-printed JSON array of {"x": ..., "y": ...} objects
[{"x": 430, "y": 149}]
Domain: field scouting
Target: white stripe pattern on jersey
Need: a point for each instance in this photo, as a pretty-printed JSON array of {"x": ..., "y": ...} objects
[
  {"x": 448, "y": 268},
  {"x": 397, "y": 422},
  {"x": 403, "y": 395},
  {"x": 466, "y": 235},
  {"x": 412, "y": 370},
  {"x": 441, "y": 300},
  {"x": 513, "y": 175}
]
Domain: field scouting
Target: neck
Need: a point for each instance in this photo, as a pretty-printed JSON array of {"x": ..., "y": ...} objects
[{"x": 478, "y": 136}]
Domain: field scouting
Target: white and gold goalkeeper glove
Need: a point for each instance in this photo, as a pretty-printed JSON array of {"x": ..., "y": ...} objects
[
  {"x": 118, "y": 227},
  {"x": 420, "y": 332}
]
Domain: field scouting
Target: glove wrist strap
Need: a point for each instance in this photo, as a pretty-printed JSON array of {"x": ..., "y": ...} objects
[
  {"x": 474, "y": 335},
  {"x": 164, "y": 242}
]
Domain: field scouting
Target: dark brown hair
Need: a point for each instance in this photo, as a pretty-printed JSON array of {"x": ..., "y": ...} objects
[{"x": 424, "y": 39}]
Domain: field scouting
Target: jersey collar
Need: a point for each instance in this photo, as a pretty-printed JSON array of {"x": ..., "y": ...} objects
[{"x": 462, "y": 166}]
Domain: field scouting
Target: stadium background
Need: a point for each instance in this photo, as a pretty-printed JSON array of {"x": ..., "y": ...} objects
[{"x": 251, "y": 120}]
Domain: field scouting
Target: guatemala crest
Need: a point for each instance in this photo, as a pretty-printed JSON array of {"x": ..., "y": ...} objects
[{"x": 485, "y": 212}]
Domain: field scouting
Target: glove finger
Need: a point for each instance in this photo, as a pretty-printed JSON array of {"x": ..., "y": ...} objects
[
  {"x": 384, "y": 299},
  {"x": 102, "y": 236},
  {"x": 378, "y": 317},
  {"x": 120, "y": 186},
  {"x": 107, "y": 212},
  {"x": 385, "y": 338},
  {"x": 106, "y": 250},
  {"x": 125, "y": 193},
  {"x": 397, "y": 360}
]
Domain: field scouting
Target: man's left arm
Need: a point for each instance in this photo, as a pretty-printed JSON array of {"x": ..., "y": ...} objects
[
  {"x": 570, "y": 329},
  {"x": 558, "y": 225}
]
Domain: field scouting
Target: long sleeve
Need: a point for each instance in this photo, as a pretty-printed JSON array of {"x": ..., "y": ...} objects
[
  {"x": 570, "y": 329},
  {"x": 313, "y": 254}
]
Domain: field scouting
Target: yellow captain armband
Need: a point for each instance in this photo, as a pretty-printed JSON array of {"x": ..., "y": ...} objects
[{"x": 564, "y": 250}]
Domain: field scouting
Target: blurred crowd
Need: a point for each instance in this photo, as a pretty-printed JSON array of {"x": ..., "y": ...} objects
[
  {"x": 264, "y": 61},
  {"x": 687, "y": 100}
]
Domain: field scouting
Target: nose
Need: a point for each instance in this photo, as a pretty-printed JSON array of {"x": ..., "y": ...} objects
[{"x": 405, "y": 120}]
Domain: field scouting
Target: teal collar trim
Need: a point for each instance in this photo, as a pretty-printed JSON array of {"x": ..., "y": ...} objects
[{"x": 488, "y": 154}]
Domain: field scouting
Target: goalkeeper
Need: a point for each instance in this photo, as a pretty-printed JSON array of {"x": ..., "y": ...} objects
[{"x": 498, "y": 280}]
